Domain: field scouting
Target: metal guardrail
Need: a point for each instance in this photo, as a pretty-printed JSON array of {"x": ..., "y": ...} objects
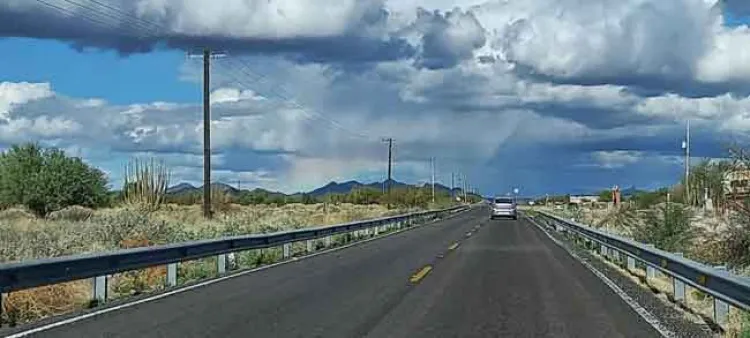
[
  {"x": 24, "y": 275},
  {"x": 723, "y": 286}
]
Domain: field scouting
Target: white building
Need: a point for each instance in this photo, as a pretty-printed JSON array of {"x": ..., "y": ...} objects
[{"x": 583, "y": 199}]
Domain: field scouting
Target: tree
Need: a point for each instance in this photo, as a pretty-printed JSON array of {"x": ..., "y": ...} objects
[
  {"x": 308, "y": 199},
  {"x": 45, "y": 180},
  {"x": 708, "y": 175},
  {"x": 646, "y": 199},
  {"x": 605, "y": 196}
]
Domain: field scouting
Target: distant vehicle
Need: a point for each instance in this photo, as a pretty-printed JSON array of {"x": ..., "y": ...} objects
[{"x": 504, "y": 207}]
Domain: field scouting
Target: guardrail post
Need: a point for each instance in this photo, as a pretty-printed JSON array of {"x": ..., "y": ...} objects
[
  {"x": 631, "y": 263},
  {"x": 221, "y": 264},
  {"x": 650, "y": 272},
  {"x": 678, "y": 286},
  {"x": 309, "y": 246},
  {"x": 287, "y": 250},
  {"x": 172, "y": 274},
  {"x": 616, "y": 256},
  {"x": 603, "y": 250},
  {"x": 376, "y": 230},
  {"x": 99, "y": 289},
  {"x": 329, "y": 241},
  {"x": 721, "y": 308}
]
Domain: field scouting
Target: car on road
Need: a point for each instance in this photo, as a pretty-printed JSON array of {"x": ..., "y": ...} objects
[{"x": 504, "y": 207}]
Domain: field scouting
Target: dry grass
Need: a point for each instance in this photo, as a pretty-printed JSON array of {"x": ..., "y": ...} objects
[
  {"x": 32, "y": 304},
  {"x": 79, "y": 230},
  {"x": 706, "y": 248}
]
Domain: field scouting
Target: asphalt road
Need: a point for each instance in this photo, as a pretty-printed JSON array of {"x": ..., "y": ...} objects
[{"x": 506, "y": 279}]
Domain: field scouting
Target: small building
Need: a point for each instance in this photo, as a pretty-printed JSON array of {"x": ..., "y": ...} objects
[
  {"x": 737, "y": 183},
  {"x": 580, "y": 199}
]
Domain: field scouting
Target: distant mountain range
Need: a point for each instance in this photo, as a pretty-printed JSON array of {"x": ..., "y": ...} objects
[{"x": 330, "y": 188}]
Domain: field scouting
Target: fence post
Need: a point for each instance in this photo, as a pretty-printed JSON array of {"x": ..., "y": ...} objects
[
  {"x": 721, "y": 308},
  {"x": 171, "y": 274},
  {"x": 99, "y": 289}
]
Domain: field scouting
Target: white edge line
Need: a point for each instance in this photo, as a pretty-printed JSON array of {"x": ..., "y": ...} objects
[
  {"x": 213, "y": 281},
  {"x": 640, "y": 310}
]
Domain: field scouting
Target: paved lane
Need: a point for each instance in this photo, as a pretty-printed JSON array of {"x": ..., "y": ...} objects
[
  {"x": 505, "y": 280},
  {"x": 512, "y": 281},
  {"x": 341, "y": 294}
]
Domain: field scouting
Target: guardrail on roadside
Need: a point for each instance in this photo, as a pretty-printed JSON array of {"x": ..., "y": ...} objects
[
  {"x": 724, "y": 287},
  {"x": 24, "y": 275}
]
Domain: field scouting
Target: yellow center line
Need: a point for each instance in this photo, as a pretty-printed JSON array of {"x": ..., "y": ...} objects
[
  {"x": 453, "y": 247},
  {"x": 420, "y": 274}
]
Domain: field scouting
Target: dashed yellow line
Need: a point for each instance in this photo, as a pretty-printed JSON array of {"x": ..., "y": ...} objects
[
  {"x": 453, "y": 247},
  {"x": 415, "y": 278}
]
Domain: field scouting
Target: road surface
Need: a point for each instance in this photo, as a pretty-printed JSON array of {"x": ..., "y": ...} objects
[{"x": 505, "y": 279}]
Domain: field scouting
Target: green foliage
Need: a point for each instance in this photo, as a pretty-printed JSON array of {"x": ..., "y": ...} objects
[
  {"x": 735, "y": 243},
  {"x": 647, "y": 199},
  {"x": 709, "y": 175},
  {"x": 605, "y": 196},
  {"x": 45, "y": 180},
  {"x": 666, "y": 226},
  {"x": 308, "y": 199},
  {"x": 407, "y": 197},
  {"x": 622, "y": 217}
]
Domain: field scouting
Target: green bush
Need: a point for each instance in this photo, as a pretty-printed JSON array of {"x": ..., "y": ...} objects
[
  {"x": 667, "y": 227},
  {"x": 46, "y": 180}
]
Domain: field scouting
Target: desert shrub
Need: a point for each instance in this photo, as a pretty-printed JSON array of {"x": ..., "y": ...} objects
[
  {"x": 736, "y": 240},
  {"x": 73, "y": 214},
  {"x": 16, "y": 214},
  {"x": 45, "y": 180},
  {"x": 666, "y": 226}
]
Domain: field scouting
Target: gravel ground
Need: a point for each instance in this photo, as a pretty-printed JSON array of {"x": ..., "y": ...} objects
[{"x": 672, "y": 317}]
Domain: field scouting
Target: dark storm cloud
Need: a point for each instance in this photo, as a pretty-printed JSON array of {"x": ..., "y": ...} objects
[
  {"x": 447, "y": 38},
  {"x": 122, "y": 32}
]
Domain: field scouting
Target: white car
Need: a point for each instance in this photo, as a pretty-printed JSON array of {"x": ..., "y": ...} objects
[{"x": 504, "y": 207}]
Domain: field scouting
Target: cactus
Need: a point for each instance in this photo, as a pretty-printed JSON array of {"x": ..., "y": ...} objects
[{"x": 145, "y": 184}]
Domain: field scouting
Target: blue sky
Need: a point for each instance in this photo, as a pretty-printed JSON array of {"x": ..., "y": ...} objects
[
  {"x": 96, "y": 72},
  {"x": 513, "y": 94}
]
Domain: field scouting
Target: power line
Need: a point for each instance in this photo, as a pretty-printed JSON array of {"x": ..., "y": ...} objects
[
  {"x": 143, "y": 24},
  {"x": 247, "y": 70},
  {"x": 307, "y": 114},
  {"x": 126, "y": 14},
  {"x": 74, "y": 14}
]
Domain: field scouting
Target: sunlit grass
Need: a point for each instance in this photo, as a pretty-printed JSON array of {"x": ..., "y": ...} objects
[{"x": 79, "y": 230}]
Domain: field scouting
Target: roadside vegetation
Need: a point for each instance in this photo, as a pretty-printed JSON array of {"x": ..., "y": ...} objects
[
  {"x": 54, "y": 205},
  {"x": 713, "y": 231}
]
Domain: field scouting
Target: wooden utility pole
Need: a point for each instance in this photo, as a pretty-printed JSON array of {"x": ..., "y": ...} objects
[
  {"x": 433, "y": 178},
  {"x": 390, "y": 162},
  {"x": 207, "y": 133},
  {"x": 207, "y": 54}
]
